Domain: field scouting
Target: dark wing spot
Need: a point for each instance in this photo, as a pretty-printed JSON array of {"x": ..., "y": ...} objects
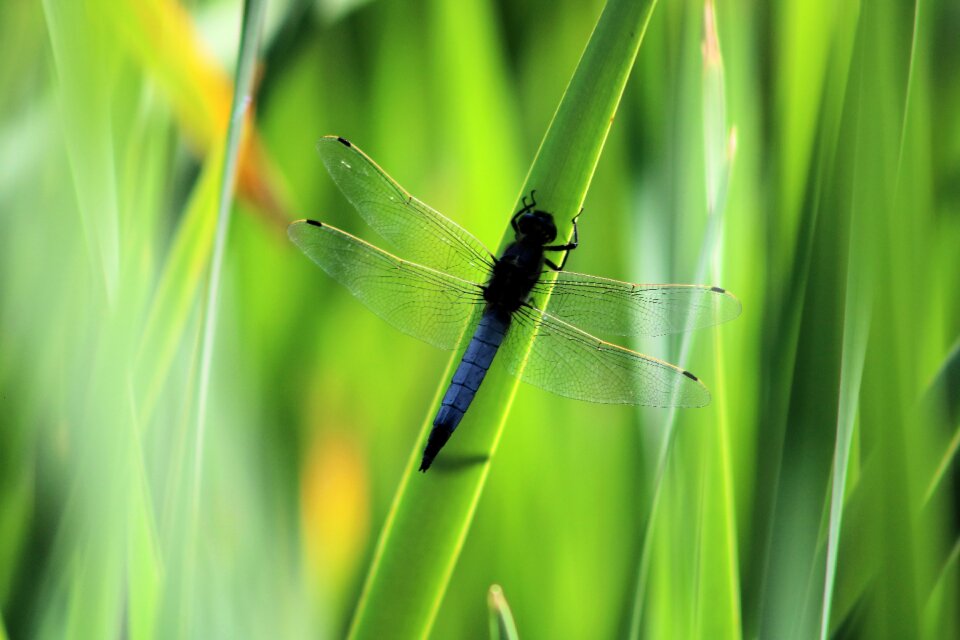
[
  {"x": 718, "y": 289},
  {"x": 344, "y": 142},
  {"x": 314, "y": 223},
  {"x": 691, "y": 376}
]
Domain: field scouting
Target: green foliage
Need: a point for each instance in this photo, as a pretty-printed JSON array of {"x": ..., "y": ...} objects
[{"x": 815, "y": 496}]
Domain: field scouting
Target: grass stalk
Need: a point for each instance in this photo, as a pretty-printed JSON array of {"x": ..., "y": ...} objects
[
  {"x": 502, "y": 625},
  {"x": 431, "y": 514},
  {"x": 719, "y": 151},
  {"x": 253, "y": 12}
]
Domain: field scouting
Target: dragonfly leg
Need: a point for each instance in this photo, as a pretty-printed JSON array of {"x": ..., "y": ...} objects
[
  {"x": 570, "y": 246},
  {"x": 532, "y": 204},
  {"x": 527, "y": 207}
]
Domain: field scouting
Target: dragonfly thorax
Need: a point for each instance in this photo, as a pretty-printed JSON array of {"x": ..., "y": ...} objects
[{"x": 514, "y": 275}]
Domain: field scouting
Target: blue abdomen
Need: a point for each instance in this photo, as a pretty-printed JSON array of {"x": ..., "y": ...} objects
[{"x": 466, "y": 381}]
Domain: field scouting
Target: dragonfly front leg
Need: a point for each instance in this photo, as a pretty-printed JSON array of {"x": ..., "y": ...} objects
[
  {"x": 570, "y": 246},
  {"x": 527, "y": 207}
]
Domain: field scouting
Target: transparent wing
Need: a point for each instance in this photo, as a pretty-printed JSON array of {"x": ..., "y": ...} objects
[
  {"x": 416, "y": 231},
  {"x": 572, "y": 363},
  {"x": 424, "y": 303},
  {"x": 607, "y": 306}
]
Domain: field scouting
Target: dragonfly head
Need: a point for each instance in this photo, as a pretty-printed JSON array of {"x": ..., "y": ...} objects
[{"x": 537, "y": 226}]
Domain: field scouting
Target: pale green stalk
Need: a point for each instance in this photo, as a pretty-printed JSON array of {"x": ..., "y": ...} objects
[
  {"x": 253, "y": 12},
  {"x": 502, "y": 625},
  {"x": 719, "y": 148}
]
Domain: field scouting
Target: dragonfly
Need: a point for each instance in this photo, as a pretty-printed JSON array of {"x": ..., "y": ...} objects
[{"x": 440, "y": 283}]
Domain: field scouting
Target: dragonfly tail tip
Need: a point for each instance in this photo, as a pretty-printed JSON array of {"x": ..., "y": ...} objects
[{"x": 435, "y": 441}]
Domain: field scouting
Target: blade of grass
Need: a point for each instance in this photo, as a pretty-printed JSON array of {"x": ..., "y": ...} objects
[
  {"x": 90, "y": 90},
  {"x": 856, "y": 330},
  {"x": 162, "y": 38},
  {"x": 859, "y": 300},
  {"x": 890, "y": 184},
  {"x": 86, "y": 65},
  {"x": 253, "y": 12},
  {"x": 722, "y": 581},
  {"x": 719, "y": 151},
  {"x": 179, "y": 287},
  {"x": 143, "y": 566},
  {"x": 784, "y": 326},
  {"x": 860, "y": 567},
  {"x": 944, "y": 593},
  {"x": 809, "y": 404},
  {"x": 502, "y": 626},
  {"x": 944, "y": 391},
  {"x": 856, "y": 325},
  {"x": 431, "y": 514}
]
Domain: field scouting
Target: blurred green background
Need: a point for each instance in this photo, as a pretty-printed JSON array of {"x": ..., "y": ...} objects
[{"x": 815, "y": 497}]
